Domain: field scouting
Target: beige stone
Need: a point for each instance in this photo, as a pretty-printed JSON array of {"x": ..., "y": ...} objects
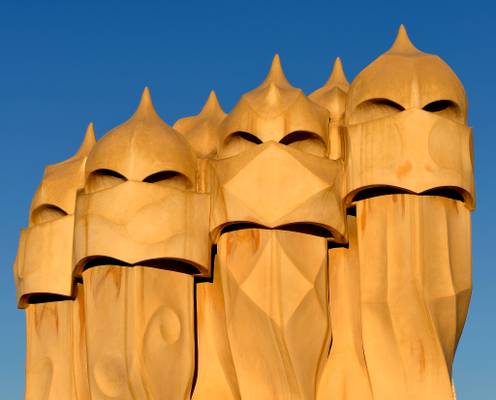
[
  {"x": 140, "y": 205},
  {"x": 56, "y": 347},
  {"x": 43, "y": 264},
  {"x": 275, "y": 292},
  {"x": 273, "y": 144},
  {"x": 141, "y": 233},
  {"x": 201, "y": 130},
  {"x": 406, "y": 126},
  {"x": 216, "y": 373},
  {"x": 297, "y": 247},
  {"x": 56, "y": 350},
  {"x": 143, "y": 346},
  {"x": 415, "y": 285},
  {"x": 333, "y": 97},
  {"x": 345, "y": 375}
]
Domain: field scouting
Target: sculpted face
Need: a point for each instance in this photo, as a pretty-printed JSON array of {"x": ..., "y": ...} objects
[
  {"x": 406, "y": 126},
  {"x": 140, "y": 204},
  {"x": 272, "y": 166},
  {"x": 43, "y": 267}
]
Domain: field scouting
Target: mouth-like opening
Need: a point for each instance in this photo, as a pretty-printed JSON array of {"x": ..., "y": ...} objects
[
  {"x": 37, "y": 298},
  {"x": 301, "y": 227},
  {"x": 448, "y": 192},
  {"x": 309, "y": 229},
  {"x": 377, "y": 191},
  {"x": 237, "y": 226},
  {"x": 170, "y": 264}
]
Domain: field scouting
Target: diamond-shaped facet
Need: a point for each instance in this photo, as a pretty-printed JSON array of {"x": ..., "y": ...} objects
[
  {"x": 275, "y": 284},
  {"x": 274, "y": 183}
]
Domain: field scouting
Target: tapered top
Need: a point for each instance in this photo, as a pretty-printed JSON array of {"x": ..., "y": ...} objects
[
  {"x": 338, "y": 77},
  {"x": 62, "y": 180},
  {"x": 88, "y": 142},
  {"x": 275, "y": 94},
  {"x": 201, "y": 129},
  {"x": 212, "y": 107},
  {"x": 143, "y": 145},
  {"x": 145, "y": 108},
  {"x": 408, "y": 77},
  {"x": 274, "y": 109},
  {"x": 276, "y": 74},
  {"x": 403, "y": 45},
  {"x": 333, "y": 94}
]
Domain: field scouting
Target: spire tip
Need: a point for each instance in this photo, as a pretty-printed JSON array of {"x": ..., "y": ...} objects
[
  {"x": 402, "y": 44},
  {"x": 338, "y": 77},
  {"x": 145, "y": 106},
  {"x": 89, "y": 141},
  {"x": 212, "y": 105},
  {"x": 276, "y": 74}
]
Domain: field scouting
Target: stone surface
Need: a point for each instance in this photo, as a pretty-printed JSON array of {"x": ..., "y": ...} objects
[{"x": 297, "y": 247}]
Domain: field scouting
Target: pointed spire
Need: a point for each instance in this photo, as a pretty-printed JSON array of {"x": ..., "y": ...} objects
[
  {"x": 275, "y": 94},
  {"x": 212, "y": 106},
  {"x": 88, "y": 142},
  {"x": 337, "y": 77},
  {"x": 208, "y": 118},
  {"x": 276, "y": 74},
  {"x": 145, "y": 108},
  {"x": 402, "y": 44}
]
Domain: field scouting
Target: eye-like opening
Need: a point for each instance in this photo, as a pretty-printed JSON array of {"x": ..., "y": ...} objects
[
  {"x": 103, "y": 179},
  {"x": 46, "y": 213},
  {"x": 169, "y": 179},
  {"x": 237, "y": 142},
  {"x": 307, "y": 142},
  {"x": 246, "y": 136},
  {"x": 387, "y": 103},
  {"x": 438, "y": 105},
  {"x": 445, "y": 108},
  {"x": 375, "y": 109}
]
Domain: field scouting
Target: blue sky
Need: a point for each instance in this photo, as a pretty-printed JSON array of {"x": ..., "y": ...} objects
[{"x": 64, "y": 65}]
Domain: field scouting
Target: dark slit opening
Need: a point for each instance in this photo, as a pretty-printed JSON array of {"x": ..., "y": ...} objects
[
  {"x": 334, "y": 245},
  {"x": 378, "y": 191},
  {"x": 210, "y": 278},
  {"x": 449, "y": 193},
  {"x": 195, "y": 328},
  {"x": 308, "y": 228},
  {"x": 159, "y": 263},
  {"x": 246, "y": 136},
  {"x": 241, "y": 225},
  {"x": 37, "y": 298}
]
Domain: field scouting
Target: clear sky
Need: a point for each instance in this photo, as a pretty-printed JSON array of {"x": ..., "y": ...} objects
[{"x": 62, "y": 66}]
